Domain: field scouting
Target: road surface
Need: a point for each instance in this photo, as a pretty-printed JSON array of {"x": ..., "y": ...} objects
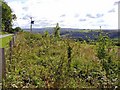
[{"x": 2, "y": 36}]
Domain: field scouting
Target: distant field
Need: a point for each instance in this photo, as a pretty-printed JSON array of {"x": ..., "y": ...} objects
[
  {"x": 79, "y": 33},
  {"x": 85, "y": 30},
  {"x": 92, "y": 34},
  {"x": 5, "y": 41}
]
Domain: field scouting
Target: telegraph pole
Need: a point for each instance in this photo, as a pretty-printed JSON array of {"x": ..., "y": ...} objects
[
  {"x": 100, "y": 27},
  {"x": 32, "y": 22}
]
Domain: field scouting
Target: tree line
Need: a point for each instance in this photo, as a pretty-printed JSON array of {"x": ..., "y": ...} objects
[{"x": 7, "y": 18}]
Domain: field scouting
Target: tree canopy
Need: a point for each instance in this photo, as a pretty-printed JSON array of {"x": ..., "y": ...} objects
[{"x": 7, "y": 17}]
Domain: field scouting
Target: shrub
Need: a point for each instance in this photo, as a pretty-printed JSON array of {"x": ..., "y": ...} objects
[{"x": 17, "y": 29}]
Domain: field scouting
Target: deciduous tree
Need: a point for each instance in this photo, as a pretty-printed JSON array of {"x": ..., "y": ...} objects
[{"x": 7, "y": 17}]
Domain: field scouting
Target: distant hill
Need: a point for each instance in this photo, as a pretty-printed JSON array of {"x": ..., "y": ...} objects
[
  {"x": 50, "y": 29},
  {"x": 79, "y": 33}
]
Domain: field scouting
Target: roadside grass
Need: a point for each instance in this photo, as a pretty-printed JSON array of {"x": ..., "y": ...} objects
[
  {"x": 4, "y": 42},
  {"x": 2, "y": 33}
]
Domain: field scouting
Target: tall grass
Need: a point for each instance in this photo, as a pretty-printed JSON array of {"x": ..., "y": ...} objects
[{"x": 44, "y": 61}]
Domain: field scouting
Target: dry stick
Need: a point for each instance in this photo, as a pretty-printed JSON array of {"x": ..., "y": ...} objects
[
  {"x": 13, "y": 39},
  {"x": 12, "y": 43},
  {"x": 69, "y": 56}
]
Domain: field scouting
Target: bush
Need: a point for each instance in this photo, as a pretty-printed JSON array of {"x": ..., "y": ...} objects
[
  {"x": 17, "y": 29},
  {"x": 105, "y": 53}
]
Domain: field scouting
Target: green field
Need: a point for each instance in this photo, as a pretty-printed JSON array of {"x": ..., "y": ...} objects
[
  {"x": 86, "y": 31},
  {"x": 4, "y": 42}
]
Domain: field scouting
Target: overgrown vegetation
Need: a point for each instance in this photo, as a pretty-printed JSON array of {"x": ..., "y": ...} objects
[
  {"x": 53, "y": 62},
  {"x": 44, "y": 61}
]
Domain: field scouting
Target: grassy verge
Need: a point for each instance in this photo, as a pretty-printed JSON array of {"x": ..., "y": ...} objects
[
  {"x": 2, "y": 33},
  {"x": 4, "y": 42}
]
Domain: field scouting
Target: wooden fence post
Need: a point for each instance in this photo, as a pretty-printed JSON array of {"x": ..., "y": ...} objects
[
  {"x": 10, "y": 57},
  {"x": 11, "y": 44},
  {"x": 2, "y": 64},
  {"x": 13, "y": 40}
]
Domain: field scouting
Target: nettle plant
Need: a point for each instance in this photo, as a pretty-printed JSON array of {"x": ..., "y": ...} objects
[{"x": 105, "y": 52}]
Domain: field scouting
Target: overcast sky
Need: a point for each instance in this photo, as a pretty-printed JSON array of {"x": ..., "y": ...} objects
[{"x": 83, "y": 14}]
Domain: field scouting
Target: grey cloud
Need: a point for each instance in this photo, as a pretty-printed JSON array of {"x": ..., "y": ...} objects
[
  {"x": 90, "y": 22},
  {"x": 42, "y": 20},
  {"x": 26, "y": 17},
  {"x": 15, "y": 24},
  {"x": 62, "y": 24},
  {"x": 22, "y": 2},
  {"x": 90, "y": 16},
  {"x": 82, "y": 19},
  {"x": 9, "y": 0},
  {"x": 100, "y": 21},
  {"x": 100, "y": 25},
  {"x": 99, "y": 15},
  {"x": 61, "y": 21},
  {"x": 96, "y": 16},
  {"x": 63, "y": 15},
  {"x": 77, "y": 15},
  {"x": 53, "y": 24},
  {"x": 116, "y": 3},
  {"x": 25, "y": 8},
  {"x": 42, "y": 23},
  {"x": 38, "y": 2},
  {"x": 112, "y": 10}
]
